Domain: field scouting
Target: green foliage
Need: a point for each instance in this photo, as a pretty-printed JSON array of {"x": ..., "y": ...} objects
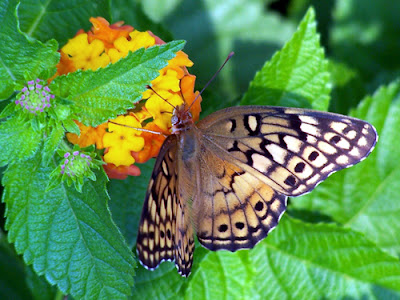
[{"x": 340, "y": 241}]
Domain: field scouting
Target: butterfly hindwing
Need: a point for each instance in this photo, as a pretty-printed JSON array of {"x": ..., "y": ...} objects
[
  {"x": 294, "y": 149},
  {"x": 236, "y": 210},
  {"x": 162, "y": 235}
]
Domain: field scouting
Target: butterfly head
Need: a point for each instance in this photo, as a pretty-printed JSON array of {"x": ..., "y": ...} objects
[{"x": 181, "y": 119}]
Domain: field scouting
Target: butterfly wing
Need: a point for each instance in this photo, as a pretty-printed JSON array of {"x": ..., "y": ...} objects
[
  {"x": 289, "y": 149},
  {"x": 163, "y": 233},
  {"x": 233, "y": 208}
]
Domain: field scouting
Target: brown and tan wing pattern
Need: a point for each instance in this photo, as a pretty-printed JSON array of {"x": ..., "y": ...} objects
[
  {"x": 291, "y": 150},
  {"x": 234, "y": 209},
  {"x": 160, "y": 236}
]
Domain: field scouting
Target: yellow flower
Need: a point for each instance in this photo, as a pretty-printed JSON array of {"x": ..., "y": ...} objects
[
  {"x": 161, "y": 110},
  {"x": 121, "y": 140},
  {"x": 84, "y": 55},
  {"x": 123, "y": 46}
]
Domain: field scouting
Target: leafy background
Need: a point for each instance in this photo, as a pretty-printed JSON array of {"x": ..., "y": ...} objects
[{"x": 339, "y": 242}]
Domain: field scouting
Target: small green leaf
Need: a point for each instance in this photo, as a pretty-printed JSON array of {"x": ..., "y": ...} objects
[
  {"x": 18, "y": 54},
  {"x": 103, "y": 94},
  {"x": 70, "y": 126},
  {"x": 52, "y": 141},
  {"x": 297, "y": 75},
  {"x": 365, "y": 197},
  {"x": 18, "y": 140},
  {"x": 67, "y": 236}
]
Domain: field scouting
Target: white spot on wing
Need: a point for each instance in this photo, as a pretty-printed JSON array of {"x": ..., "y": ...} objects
[
  {"x": 310, "y": 129},
  {"x": 253, "y": 123},
  {"x": 338, "y": 126},
  {"x": 293, "y": 143},
  {"x": 308, "y": 119},
  {"x": 342, "y": 160},
  {"x": 278, "y": 153},
  {"x": 362, "y": 141},
  {"x": 260, "y": 163}
]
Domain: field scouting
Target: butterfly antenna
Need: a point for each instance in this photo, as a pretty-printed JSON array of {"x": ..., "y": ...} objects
[
  {"x": 138, "y": 129},
  {"x": 212, "y": 78},
  {"x": 150, "y": 88}
]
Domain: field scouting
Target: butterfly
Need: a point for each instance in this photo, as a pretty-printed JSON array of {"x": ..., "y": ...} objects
[{"x": 227, "y": 178}]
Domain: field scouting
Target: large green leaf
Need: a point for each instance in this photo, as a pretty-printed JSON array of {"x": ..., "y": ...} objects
[
  {"x": 67, "y": 236},
  {"x": 297, "y": 75}
]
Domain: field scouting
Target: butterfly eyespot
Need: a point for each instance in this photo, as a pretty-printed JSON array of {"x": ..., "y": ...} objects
[
  {"x": 290, "y": 180},
  {"x": 259, "y": 206},
  {"x": 335, "y": 139},
  {"x": 299, "y": 167},
  {"x": 239, "y": 225},
  {"x": 223, "y": 228},
  {"x": 313, "y": 155}
]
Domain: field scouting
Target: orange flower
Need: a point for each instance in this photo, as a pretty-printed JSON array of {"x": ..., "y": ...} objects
[
  {"x": 88, "y": 135},
  {"x": 152, "y": 143},
  {"x": 103, "y": 31}
]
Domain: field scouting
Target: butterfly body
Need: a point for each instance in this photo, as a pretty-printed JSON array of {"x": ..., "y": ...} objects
[{"x": 227, "y": 178}]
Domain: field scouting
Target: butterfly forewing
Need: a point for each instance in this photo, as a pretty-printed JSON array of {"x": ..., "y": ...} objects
[
  {"x": 291, "y": 150},
  {"x": 162, "y": 231}
]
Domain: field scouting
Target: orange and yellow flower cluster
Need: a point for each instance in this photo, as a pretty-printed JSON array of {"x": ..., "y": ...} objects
[{"x": 124, "y": 145}]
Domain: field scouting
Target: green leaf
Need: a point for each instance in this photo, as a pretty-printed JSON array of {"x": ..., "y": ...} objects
[
  {"x": 365, "y": 197},
  {"x": 213, "y": 29},
  {"x": 52, "y": 141},
  {"x": 20, "y": 57},
  {"x": 59, "y": 19},
  {"x": 103, "y": 94},
  {"x": 303, "y": 261},
  {"x": 67, "y": 236},
  {"x": 297, "y": 75},
  {"x": 18, "y": 140}
]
